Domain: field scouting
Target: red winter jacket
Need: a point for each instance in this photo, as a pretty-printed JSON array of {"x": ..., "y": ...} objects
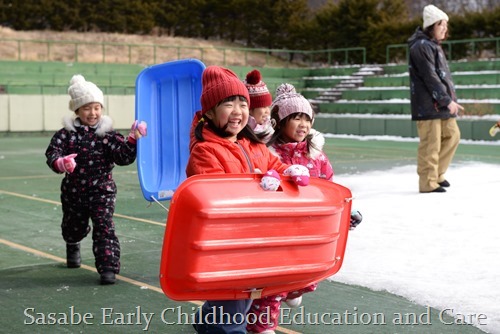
[{"x": 219, "y": 155}]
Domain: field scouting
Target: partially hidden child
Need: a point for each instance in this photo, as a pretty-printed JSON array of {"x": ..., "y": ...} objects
[{"x": 260, "y": 105}]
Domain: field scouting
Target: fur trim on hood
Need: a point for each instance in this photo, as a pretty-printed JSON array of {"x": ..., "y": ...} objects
[
  {"x": 70, "y": 123},
  {"x": 319, "y": 142}
]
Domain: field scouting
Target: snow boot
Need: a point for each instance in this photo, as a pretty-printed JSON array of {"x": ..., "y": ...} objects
[
  {"x": 108, "y": 277},
  {"x": 73, "y": 258}
]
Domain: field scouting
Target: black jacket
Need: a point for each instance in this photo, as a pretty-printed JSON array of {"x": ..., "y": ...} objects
[
  {"x": 431, "y": 86},
  {"x": 99, "y": 149}
]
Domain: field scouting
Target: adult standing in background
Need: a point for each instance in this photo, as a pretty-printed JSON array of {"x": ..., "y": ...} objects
[{"x": 433, "y": 101}]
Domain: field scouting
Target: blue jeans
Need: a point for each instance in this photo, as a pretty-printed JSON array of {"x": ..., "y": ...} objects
[{"x": 223, "y": 317}]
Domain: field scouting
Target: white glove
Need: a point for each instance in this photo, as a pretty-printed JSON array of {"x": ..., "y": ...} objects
[
  {"x": 270, "y": 180},
  {"x": 300, "y": 174}
]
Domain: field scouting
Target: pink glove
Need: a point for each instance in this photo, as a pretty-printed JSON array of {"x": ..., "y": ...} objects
[
  {"x": 270, "y": 181},
  {"x": 300, "y": 174},
  {"x": 137, "y": 131},
  {"x": 66, "y": 164}
]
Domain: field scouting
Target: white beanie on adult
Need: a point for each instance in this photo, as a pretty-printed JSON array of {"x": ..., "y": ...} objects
[
  {"x": 83, "y": 92},
  {"x": 432, "y": 14}
]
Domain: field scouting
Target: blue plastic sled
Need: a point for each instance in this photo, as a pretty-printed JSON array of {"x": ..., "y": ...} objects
[{"x": 166, "y": 97}]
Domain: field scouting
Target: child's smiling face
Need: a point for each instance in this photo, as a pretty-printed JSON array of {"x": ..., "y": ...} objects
[
  {"x": 260, "y": 114},
  {"x": 297, "y": 127},
  {"x": 90, "y": 114},
  {"x": 231, "y": 115}
]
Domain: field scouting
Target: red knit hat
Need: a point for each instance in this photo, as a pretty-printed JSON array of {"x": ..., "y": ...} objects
[
  {"x": 259, "y": 94},
  {"x": 219, "y": 83}
]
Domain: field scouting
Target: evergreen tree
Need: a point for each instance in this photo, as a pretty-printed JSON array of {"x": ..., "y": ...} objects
[
  {"x": 273, "y": 24},
  {"x": 385, "y": 27},
  {"x": 326, "y": 27}
]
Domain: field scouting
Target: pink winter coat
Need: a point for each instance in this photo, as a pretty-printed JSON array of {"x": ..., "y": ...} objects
[{"x": 313, "y": 158}]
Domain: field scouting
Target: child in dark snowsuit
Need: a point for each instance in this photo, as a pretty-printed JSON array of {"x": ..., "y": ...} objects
[{"x": 86, "y": 149}]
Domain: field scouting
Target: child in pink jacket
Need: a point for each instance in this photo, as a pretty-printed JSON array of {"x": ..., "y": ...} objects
[{"x": 294, "y": 142}]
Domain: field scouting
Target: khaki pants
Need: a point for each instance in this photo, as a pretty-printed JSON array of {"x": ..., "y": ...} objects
[{"x": 439, "y": 140}]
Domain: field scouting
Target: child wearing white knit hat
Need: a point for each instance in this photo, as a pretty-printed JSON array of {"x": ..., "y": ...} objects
[{"x": 86, "y": 150}]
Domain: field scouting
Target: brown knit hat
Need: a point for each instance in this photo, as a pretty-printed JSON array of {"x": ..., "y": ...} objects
[
  {"x": 259, "y": 94},
  {"x": 219, "y": 83}
]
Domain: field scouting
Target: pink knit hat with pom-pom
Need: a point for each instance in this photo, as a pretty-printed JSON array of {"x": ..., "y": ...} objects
[{"x": 288, "y": 102}]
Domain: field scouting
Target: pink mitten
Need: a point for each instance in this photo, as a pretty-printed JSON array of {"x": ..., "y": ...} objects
[
  {"x": 270, "y": 181},
  {"x": 300, "y": 174},
  {"x": 138, "y": 130},
  {"x": 66, "y": 164}
]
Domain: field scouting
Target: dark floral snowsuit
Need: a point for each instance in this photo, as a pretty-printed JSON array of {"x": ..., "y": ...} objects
[{"x": 90, "y": 191}]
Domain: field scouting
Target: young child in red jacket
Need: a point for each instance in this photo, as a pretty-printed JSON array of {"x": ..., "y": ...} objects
[{"x": 222, "y": 142}]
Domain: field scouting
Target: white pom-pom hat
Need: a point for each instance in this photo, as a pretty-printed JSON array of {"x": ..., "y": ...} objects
[
  {"x": 83, "y": 92},
  {"x": 432, "y": 14},
  {"x": 289, "y": 102}
]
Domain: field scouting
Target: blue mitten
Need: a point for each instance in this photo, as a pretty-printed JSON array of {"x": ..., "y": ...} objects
[{"x": 356, "y": 219}]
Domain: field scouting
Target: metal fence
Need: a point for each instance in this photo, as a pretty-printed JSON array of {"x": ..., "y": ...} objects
[
  {"x": 147, "y": 54},
  {"x": 476, "y": 48}
]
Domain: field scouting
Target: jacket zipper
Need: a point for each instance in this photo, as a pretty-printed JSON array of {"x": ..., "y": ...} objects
[{"x": 247, "y": 157}]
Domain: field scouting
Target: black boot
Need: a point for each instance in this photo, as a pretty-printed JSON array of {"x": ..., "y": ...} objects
[
  {"x": 108, "y": 277},
  {"x": 73, "y": 259}
]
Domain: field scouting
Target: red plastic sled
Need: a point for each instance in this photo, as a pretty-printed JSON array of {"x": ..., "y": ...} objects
[{"x": 227, "y": 238}]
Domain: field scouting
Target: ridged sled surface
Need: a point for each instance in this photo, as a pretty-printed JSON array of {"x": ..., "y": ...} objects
[{"x": 227, "y": 238}]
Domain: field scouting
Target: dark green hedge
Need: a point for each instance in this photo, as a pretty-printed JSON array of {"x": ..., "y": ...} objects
[{"x": 273, "y": 24}]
